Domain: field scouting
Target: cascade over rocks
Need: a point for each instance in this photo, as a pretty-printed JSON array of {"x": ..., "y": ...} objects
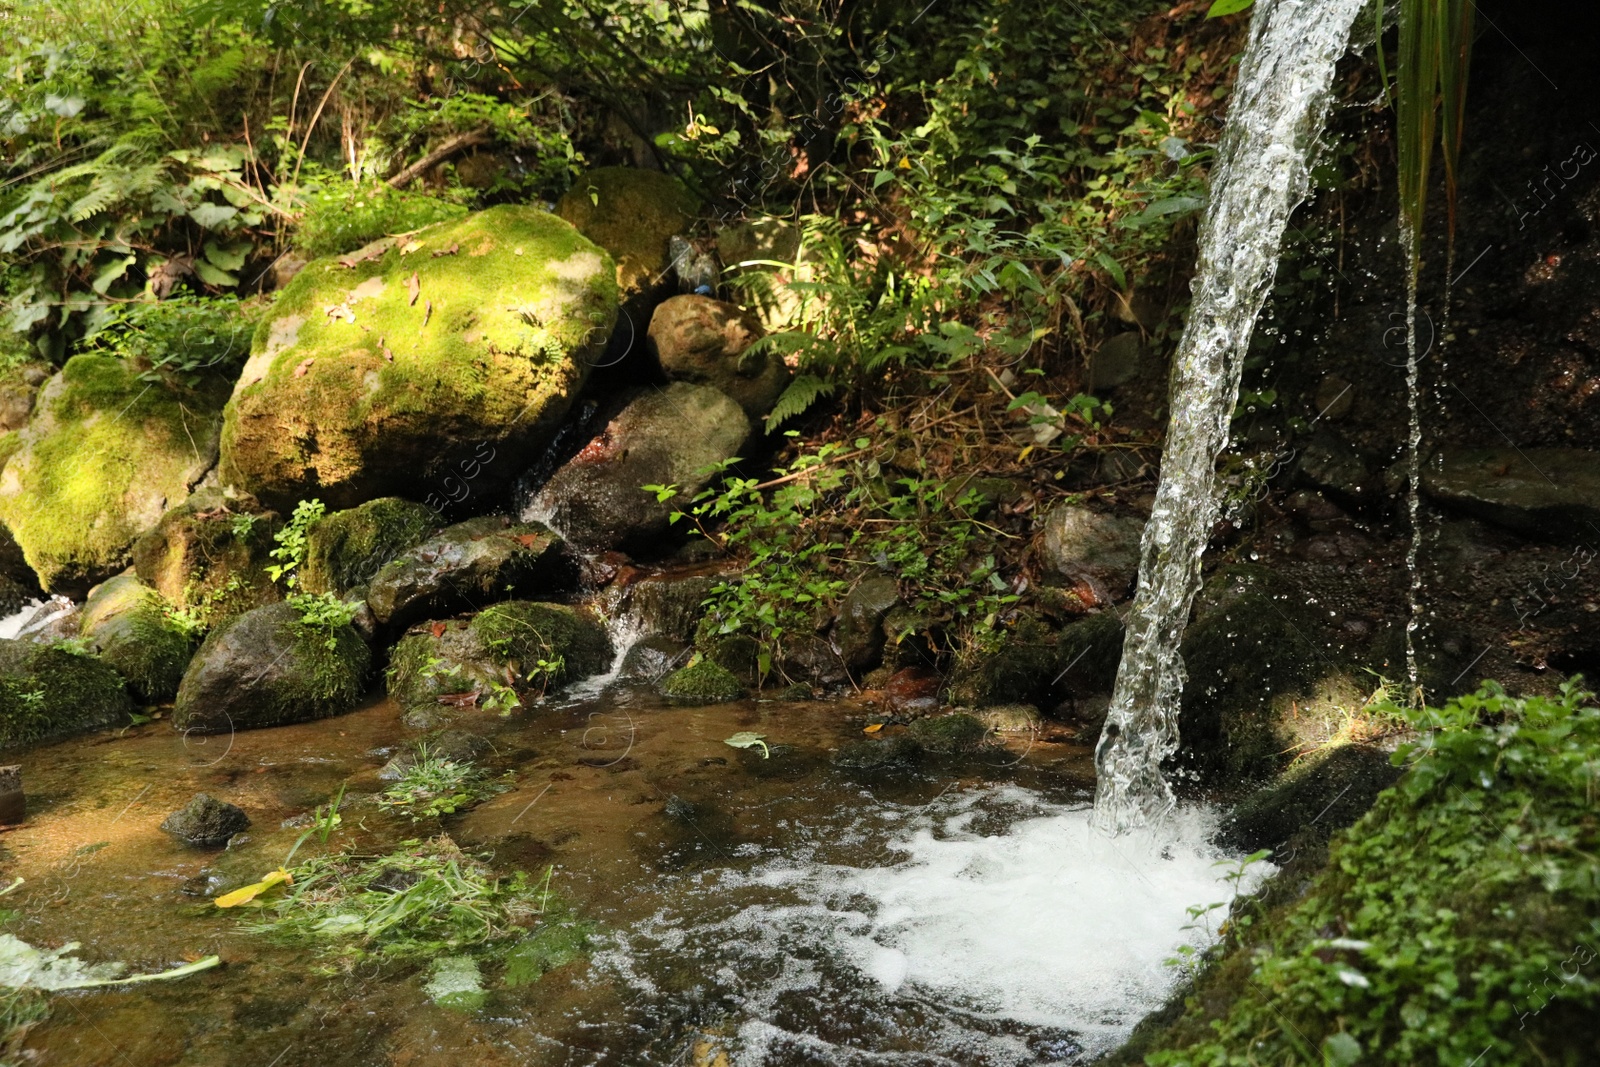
[
  {"x": 1547, "y": 493},
  {"x": 266, "y": 668},
  {"x": 707, "y": 342},
  {"x": 211, "y": 551},
  {"x": 105, "y": 454},
  {"x": 450, "y": 354},
  {"x": 662, "y": 436},
  {"x": 466, "y": 566},
  {"x": 126, "y": 622}
]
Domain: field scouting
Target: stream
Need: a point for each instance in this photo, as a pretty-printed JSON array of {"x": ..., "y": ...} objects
[{"x": 750, "y": 910}]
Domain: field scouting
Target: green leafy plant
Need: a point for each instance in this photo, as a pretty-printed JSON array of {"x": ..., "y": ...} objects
[
  {"x": 433, "y": 786},
  {"x": 178, "y": 339},
  {"x": 342, "y": 216},
  {"x": 291, "y": 539},
  {"x": 323, "y": 615}
]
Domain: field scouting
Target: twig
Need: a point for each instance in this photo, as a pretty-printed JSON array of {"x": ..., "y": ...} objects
[{"x": 440, "y": 154}]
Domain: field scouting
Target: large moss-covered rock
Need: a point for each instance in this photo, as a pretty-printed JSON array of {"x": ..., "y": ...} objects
[
  {"x": 346, "y": 550},
  {"x": 104, "y": 456},
  {"x": 128, "y": 624},
  {"x": 663, "y": 436},
  {"x": 701, "y": 683},
  {"x": 210, "y": 553},
  {"x": 708, "y": 342},
  {"x": 466, "y": 566},
  {"x": 1020, "y": 668},
  {"x": 47, "y": 693},
  {"x": 500, "y": 646},
  {"x": 458, "y": 349},
  {"x": 1320, "y": 793},
  {"x": 632, "y": 214},
  {"x": 268, "y": 667}
]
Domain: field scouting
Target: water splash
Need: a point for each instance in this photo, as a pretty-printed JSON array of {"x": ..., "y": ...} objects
[{"x": 1280, "y": 101}]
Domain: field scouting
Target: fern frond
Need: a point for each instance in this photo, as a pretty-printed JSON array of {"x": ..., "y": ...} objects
[{"x": 805, "y": 390}]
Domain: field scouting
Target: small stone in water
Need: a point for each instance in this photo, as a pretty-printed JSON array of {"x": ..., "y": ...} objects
[{"x": 206, "y": 822}]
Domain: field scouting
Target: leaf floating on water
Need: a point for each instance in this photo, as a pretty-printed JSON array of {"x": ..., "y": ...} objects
[
  {"x": 248, "y": 894},
  {"x": 874, "y": 728},
  {"x": 747, "y": 739},
  {"x": 24, "y": 967}
]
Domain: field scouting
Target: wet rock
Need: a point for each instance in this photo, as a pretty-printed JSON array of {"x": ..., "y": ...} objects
[
  {"x": 812, "y": 660},
  {"x": 1089, "y": 651},
  {"x": 206, "y": 822},
  {"x": 949, "y": 735},
  {"x": 48, "y": 693},
  {"x": 49, "y": 621},
  {"x": 129, "y": 626},
  {"x": 670, "y": 604},
  {"x": 702, "y": 683},
  {"x": 651, "y": 658},
  {"x": 1011, "y": 718},
  {"x": 707, "y": 342},
  {"x": 104, "y": 456},
  {"x": 1334, "y": 398},
  {"x": 457, "y": 746},
  {"x": 632, "y": 214},
  {"x": 1545, "y": 493},
  {"x": 437, "y": 360},
  {"x": 13, "y": 802},
  {"x": 211, "y": 553},
  {"x": 465, "y": 566},
  {"x": 913, "y": 691},
  {"x": 267, "y": 668},
  {"x": 663, "y": 436},
  {"x": 1330, "y": 464},
  {"x": 1117, "y": 361},
  {"x": 462, "y": 662},
  {"x": 1322, "y": 792},
  {"x": 859, "y": 630},
  {"x": 345, "y": 550},
  {"x": 738, "y": 654},
  {"x": 889, "y": 754},
  {"x": 1098, "y": 550}
]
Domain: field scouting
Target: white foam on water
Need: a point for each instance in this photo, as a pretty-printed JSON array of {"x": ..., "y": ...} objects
[
  {"x": 999, "y": 943},
  {"x": 32, "y": 616}
]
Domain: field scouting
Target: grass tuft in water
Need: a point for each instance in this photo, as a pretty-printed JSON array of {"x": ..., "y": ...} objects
[{"x": 433, "y": 786}]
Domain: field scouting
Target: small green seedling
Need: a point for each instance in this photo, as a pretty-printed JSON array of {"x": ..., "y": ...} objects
[{"x": 746, "y": 739}]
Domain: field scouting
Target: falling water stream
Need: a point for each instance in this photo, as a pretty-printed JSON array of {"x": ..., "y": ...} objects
[{"x": 1280, "y": 101}]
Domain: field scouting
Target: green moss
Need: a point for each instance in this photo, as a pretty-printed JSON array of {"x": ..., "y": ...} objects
[
  {"x": 701, "y": 683},
  {"x": 333, "y": 677},
  {"x": 130, "y": 627},
  {"x": 1320, "y": 793},
  {"x": 1089, "y": 651},
  {"x": 49, "y": 693},
  {"x": 209, "y": 555},
  {"x": 520, "y": 633},
  {"x": 97, "y": 464},
  {"x": 1016, "y": 670},
  {"x": 486, "y": 358},
  {"x": 632, "y": 214},
  {"x": 950, "y": 734},
  {"x": 346, "y": 549}
]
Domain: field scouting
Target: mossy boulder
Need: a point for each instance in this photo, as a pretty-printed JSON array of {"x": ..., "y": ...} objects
[
  {"x": 1321, "y": 792},
  {"x": 1089, "y": 651},
  {"x": 128, "y": 624},
  {"x": 47, "y": 693},
  {"x": 663, "y": 436},
  {"x": 701, "y": 683},
  {"x": 451, "y": 354},
  {"x": 267, "y": 667},
  {"x": 950, "y": 735},
  {"x": 103, "y": 458},
  {"x": 346, "y": 550},
  {"x": 1254, "y": 645},
  {"x": 210, "y": 553},
  {"x": 503, "y": 645},
  {"x": 1020, "y": 668},
  {"x": 708, "y": 342},
  {"x": 466, "y": 566},
  {"x": 19, "y": 388},
  {"x": 632, "y": 214}
]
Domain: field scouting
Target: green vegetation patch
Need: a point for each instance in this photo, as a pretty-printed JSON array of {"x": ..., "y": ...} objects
[
  {"x": 433, "y": 785},
  {"x": 702, "y": 683},
  {"x": 1455, "y": 923},
  {"x": 135, "y": 631},
  {"x": 48, "y": 693}
]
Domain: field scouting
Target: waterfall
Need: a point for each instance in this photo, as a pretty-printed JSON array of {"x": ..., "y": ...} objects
[{"x": 1280, "y": 101}]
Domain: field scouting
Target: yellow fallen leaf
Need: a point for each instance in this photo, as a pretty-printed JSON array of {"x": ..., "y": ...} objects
[
  {"x": 248, "y": 894},
  {"x": 874, "y": 728}
]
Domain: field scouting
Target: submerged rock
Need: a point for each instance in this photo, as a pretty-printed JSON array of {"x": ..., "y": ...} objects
[
  {"x": 456, "y": 746},
  {"x": 267, "y": 667},
  {"x": 530, "y": 647},
  {"x": 211, "y": 553},
  {"x": 449, "y": 356},
  {"x": 128, "y": 624},
  {"x": 702, "y": 683},
  {"x": 949, "y": 735},
  {"x": 707, "y": 342},
  {"x": 47, "y": 693},
  {"x": 632, "y": 214},
  {"x": 345, "y": 550},
  {"x": 663, "y": 436},
  {"x": 1545, "y": 493},
  {"x": 889, "y": 754},
  {"x": 466, "y": 566},
  {"x": 104, "y": 456},
  {"x": 206, "y": 822}
]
